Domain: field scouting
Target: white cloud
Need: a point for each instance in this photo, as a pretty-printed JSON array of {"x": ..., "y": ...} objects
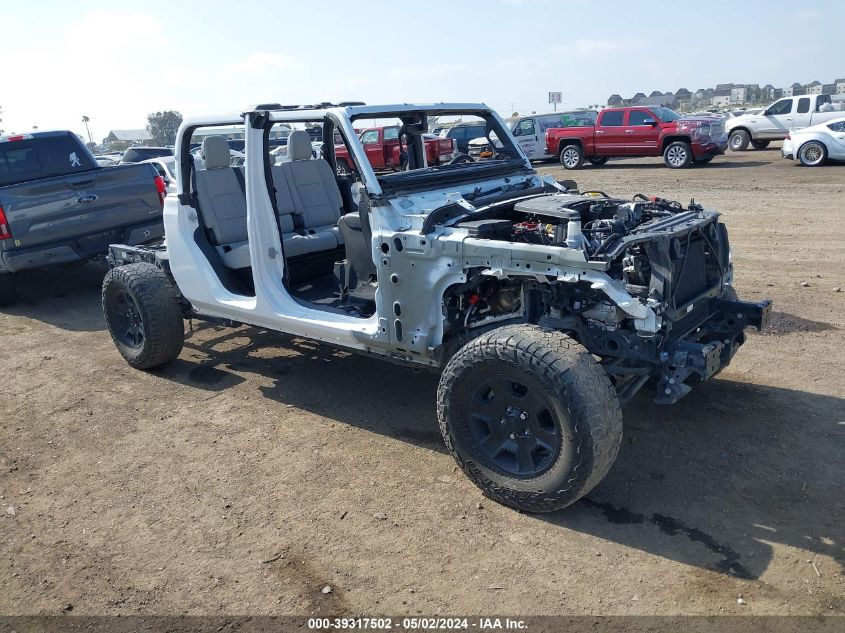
[
  {"x": 262, "y": 63},
  {"x": 807, "y": 14},
  {"x": 589, "y": 47},
  {"x": 425, "y": 72}
]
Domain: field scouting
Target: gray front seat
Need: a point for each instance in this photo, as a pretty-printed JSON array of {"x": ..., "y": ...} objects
[{"x": 221, "y": 198}]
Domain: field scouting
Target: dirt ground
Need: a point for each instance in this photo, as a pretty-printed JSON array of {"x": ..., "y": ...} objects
[{"x": 258, "y": 469}]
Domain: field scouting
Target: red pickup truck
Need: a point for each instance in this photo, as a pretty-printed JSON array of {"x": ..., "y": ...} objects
[
  {"x": 381, "y": 145},
  {"x": 640, "y": 131}
]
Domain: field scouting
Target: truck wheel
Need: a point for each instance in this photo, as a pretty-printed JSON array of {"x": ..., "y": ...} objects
[
  {"x": 572, "y": 157},
  {"x": 739, "y": 140},
  {"x": 7, "y": 289},
  {"x": 598, "y": 160},
  {"x": 143, "y": 313},
  {"x": 677, "y": 155},
  {"x": 812, "y": 154},
  {"x": 530, "y": 417},
  {"x": 760, "y": 144}
]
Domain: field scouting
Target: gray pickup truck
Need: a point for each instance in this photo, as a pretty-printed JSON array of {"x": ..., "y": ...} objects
[{"x": 57, "y": 205}]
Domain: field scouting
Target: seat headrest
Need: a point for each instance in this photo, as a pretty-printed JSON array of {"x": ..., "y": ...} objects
[
  {"x": 215, "y": 152},
  {"x": 299, "y": 145}
]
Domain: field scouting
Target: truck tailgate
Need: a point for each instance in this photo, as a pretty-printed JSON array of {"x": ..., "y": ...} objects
[{"x": 79, "y": 205}]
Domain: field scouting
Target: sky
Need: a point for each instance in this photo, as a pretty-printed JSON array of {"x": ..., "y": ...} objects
[{"x": 116, "y": 62}]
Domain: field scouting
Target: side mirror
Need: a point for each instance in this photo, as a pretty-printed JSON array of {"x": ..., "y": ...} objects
[
  {"x": 516, "y": 131},
  {"x": 651, "y": 122}
]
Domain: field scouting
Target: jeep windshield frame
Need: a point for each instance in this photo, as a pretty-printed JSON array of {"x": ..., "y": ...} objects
[{"x": 427, "y": 176}]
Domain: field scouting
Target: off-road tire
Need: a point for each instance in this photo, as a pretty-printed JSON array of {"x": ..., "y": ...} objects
[
  {"x": 598, "y": 160},
  {"x": 582, "y": 404},
  {"x": 7, "y": 289},
  {"x": 156, "y": 305},
  {"x": 812, "y": 154},
  {"x": 571, "y": 157},
  {"x": 738, "y": 140},
  {"x": 760, "y": 144},
  {"x": 677, "y": 155}
]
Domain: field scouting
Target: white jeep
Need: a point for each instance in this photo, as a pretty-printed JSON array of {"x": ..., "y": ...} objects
[{"x": 545, "y": 309}]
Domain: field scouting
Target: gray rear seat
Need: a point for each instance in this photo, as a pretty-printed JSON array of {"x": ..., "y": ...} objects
[{"x": 307, "y": 199}]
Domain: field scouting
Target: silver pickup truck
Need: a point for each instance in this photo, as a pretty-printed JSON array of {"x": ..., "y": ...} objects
[{"x": 57, "y": 205}]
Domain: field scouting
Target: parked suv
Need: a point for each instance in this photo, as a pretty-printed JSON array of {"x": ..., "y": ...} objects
[
  {"x": 544, "y": 309},
  {"x": 462, "y": 134},
  {"x": 142, "y": 153}
]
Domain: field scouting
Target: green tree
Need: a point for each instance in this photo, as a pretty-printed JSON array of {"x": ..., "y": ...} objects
[{"x": 163, "y": 126}]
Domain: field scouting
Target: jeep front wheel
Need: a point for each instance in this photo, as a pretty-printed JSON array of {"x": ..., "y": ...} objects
[
  {"x": 530, "y": 417},
  {"x": 571, "y": 157},
  {"x": 144, "y": 315}
]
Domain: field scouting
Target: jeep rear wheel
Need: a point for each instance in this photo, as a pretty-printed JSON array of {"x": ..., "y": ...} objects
[
  {"x": 760, "y": 144},
  {"x": 144, "y": 315},
  {"x": 530, "y": 417},
  {"x": 739, "y": 140},
  {"x": 571, "y": 157},
  {"x": 677, "y": 155},
  {"x": 7, "y": 289}
]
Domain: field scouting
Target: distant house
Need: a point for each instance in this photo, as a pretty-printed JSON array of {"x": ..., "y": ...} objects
[
  {"x": 656, "y": 93},
  {"x": 636, "y": 98},
  {"x": 129, "y": 136},
  {"x": 814, "y": 88},
  {"x": 777, "y": 93},
  {"x": 724, "y": 86},
  {"x": 658, "y": 100},
  {"x": 721, "y": 98},
  {"x": 738, "y": 94},
  {"x": 614, "y": 101},
  {"x": 840, "y": 86},
  {"x": 682, "y": 92},
  {"x": 767, "y": 92},
  {"x": 829, "y": 89},
  {"x": 794, "y": 90}
]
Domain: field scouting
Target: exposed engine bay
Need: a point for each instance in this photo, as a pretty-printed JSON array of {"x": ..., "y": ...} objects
[{"x": 655, "y": 298}]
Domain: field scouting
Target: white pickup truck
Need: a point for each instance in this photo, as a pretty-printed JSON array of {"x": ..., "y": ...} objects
[{"x": 774, "y": 123}]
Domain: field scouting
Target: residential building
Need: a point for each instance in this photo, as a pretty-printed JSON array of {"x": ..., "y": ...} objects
[
  {"x": 666, "y": 100},
  {"x": 721, "y": 98},
  {"x": 129, "y": 136},
  {"x": 840, "y": 86},
  {"x": 737, "y": 94},
  {"x": 813, "y": 88},
  {"x": 614, "y": 101}
]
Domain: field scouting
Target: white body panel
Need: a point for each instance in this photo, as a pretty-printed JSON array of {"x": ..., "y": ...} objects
[
  {"x": 775, "y": 121},
  {"x": 830, "y": 133}
]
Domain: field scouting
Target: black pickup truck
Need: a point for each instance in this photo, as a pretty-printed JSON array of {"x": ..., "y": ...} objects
[{"x": 58, "y": 206}]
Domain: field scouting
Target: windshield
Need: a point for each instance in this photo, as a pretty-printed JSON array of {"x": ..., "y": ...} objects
[
  {"x": 666, "y": 115},
  {"x": 407, "y": 154}
]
